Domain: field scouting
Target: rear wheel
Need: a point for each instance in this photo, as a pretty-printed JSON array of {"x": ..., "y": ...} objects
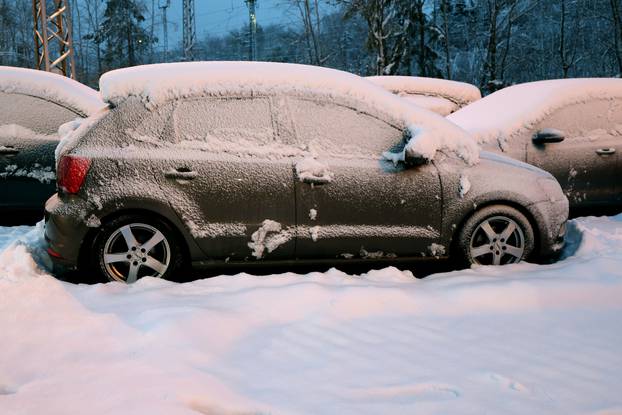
[
  {"x": 129, "y": 248},
  {"x": 496, "y": 235}
]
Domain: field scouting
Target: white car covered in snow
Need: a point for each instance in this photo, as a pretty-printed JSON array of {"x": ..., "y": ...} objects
[
  {"x": 571, "y": 128},
  {"x": 438, "y": 95},
  {"x": 33, "y": 106}
]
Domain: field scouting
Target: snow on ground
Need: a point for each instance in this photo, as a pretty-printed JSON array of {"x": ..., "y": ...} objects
[{"x": 519, "y": 339}]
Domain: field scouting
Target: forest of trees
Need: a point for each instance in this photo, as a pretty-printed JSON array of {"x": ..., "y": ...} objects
[{"x": 490, "y": 43}]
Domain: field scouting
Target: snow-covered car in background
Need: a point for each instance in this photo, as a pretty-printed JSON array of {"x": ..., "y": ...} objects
[
  {"x": 214, "y": 162},
  {"x": 438, "y": 95},
  {"x": 33, "y": 105},
  {"x": 571, "y": 128}
]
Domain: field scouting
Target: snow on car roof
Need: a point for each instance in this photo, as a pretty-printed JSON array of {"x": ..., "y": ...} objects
[
  {"x": 156, "y": 84},
  {"x": 459, "y": 92},
  {"x": 512, "y": 109},
  {"x": 52, "y": 87}
]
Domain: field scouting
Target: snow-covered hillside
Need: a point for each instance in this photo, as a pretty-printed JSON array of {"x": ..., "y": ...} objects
[{"x": 519, "y": 339}]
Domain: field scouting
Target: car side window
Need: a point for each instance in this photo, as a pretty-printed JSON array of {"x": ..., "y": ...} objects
[
  {"x": 35, "y": 114},
  {"x": 588, "y": 121},
  {"x": 332, "y": 129},
  {"x": 234, "y": 125}
]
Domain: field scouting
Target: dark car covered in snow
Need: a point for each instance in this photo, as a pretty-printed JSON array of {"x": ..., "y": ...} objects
[
  {"x": 571, "y": 128},
  {"x": 210, "y": 163},
  {"x": 33, "y": 105}
]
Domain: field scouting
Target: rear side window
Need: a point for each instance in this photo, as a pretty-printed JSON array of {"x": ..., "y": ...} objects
[
  {"x": 35, "y": 114},
  {"x": 225, "y": 124},
  {"x": 587, "y": 121},
  {"x": 332, "y": 129}
]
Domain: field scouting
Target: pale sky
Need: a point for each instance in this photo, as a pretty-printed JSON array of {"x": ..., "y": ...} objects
[{"x": 218, "y": 17}]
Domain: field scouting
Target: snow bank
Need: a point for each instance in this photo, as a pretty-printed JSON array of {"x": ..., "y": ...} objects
[
  {"x": 460, "y": 93},
  {"x": 52, "y": 87},
  {"x": 515, "y": 339},
  {"x": 157, "y": 84},
  {"x": 507, "y": 111}
]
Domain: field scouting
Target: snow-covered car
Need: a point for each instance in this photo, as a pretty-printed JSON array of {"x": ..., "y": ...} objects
[
  {"x": 571, "y": 128},
  {"x": 33, "y": 105},
  {"x": 219, "y": 162},
  {"x": 438, "y": 95}
]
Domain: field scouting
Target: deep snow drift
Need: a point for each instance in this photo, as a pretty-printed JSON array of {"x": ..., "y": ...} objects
[{"x": 519, "y": 339}]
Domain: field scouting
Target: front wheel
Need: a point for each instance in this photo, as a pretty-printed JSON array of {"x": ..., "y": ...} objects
[
  {"x": 129, "y": 248},
  {"x": 496, "y": 235}
]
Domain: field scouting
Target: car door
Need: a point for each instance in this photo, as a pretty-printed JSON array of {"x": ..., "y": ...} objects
[
  {"x": 586, "y": 161},
  {"x": 231, "y": 180},
  {"x": 28, "y": 138},
  {"x": 350, "y": 201}
]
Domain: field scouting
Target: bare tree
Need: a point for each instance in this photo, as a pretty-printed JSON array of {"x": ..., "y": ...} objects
[
  {"x": 500, "y": 13},
  {"x": 567, "y": 53}
]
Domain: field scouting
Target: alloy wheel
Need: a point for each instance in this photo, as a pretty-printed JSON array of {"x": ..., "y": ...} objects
[
  {"x": 498, "y": 240},
  {"x": 134, "y": 251}
]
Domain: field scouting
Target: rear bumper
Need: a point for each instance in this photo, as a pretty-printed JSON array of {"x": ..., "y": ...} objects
[{"x": 65, "y": 231}]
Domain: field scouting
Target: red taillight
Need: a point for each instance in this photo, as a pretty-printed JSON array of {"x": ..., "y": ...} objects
[
  {"x": 53, "y": 253},
  {"x": 72, "y": 172}
]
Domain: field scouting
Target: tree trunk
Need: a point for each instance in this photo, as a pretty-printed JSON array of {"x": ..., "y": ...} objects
[
  {"x": 617, "y": 32},
  {"x": 445, "y": 13}
]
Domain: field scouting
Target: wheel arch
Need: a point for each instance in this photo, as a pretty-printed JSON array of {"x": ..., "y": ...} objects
[{"x": 89, "y": 239}]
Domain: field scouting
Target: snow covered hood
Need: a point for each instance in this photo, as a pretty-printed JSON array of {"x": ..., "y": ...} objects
[
  {"x": 156, "y": 84},
  {"x": 459, "y": 92},
  {"x": 509, "y": 110},
  {"x": 52, "y": 87}
]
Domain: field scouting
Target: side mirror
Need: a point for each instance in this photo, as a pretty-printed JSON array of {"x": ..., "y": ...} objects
[{"x": 548, "y": 135}]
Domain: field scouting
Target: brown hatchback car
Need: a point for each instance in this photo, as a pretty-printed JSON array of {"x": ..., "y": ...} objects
[{"x": 212, "y": 163}]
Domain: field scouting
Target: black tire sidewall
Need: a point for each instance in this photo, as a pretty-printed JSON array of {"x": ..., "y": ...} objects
[
  {"x": 471, "y": 224},
  {"x": 107, "y": 229}
]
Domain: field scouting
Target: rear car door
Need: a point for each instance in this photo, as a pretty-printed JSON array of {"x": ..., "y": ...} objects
[
  {"x": 28, "y": 138},
  {"x": 586, "y": 163},
  {"x": 350, "y": 201},
  {"x": 230, "y": 178}
]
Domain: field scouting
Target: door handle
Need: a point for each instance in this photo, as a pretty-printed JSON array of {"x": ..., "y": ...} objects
[
  {"x": 181, "y": 174},
  {"x": 8, "y": 151},
  {"x": 316, "y": 180},
  {"x": 605, "y": 151}
]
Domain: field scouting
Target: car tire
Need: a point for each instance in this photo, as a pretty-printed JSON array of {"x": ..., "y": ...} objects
[
  {"x": 131, "y": 247},
  {"x": 495, "y": 235}
]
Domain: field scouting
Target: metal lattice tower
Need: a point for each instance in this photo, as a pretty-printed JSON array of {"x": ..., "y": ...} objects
[
  {"x": 190, "y": 30},
  {"x": 164, "y": 4},
  {"x": 252, "y": 29},
  {"x": 52, "y": 35}
]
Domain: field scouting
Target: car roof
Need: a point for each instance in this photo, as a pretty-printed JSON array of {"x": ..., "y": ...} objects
[
  {"x": 160, "y": 83},
  {"x": 461, "y": 93},
  {"x": 51, "y": 87},
  {"x": 509, "y": 110}
]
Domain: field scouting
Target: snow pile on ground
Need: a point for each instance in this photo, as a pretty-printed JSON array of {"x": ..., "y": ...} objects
[
  {"x": 509, "y": 110},
  {"x": 52, "y": 87},
  {"x": 519, "y": 339},
  {"x": 157, "y": 84}
]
